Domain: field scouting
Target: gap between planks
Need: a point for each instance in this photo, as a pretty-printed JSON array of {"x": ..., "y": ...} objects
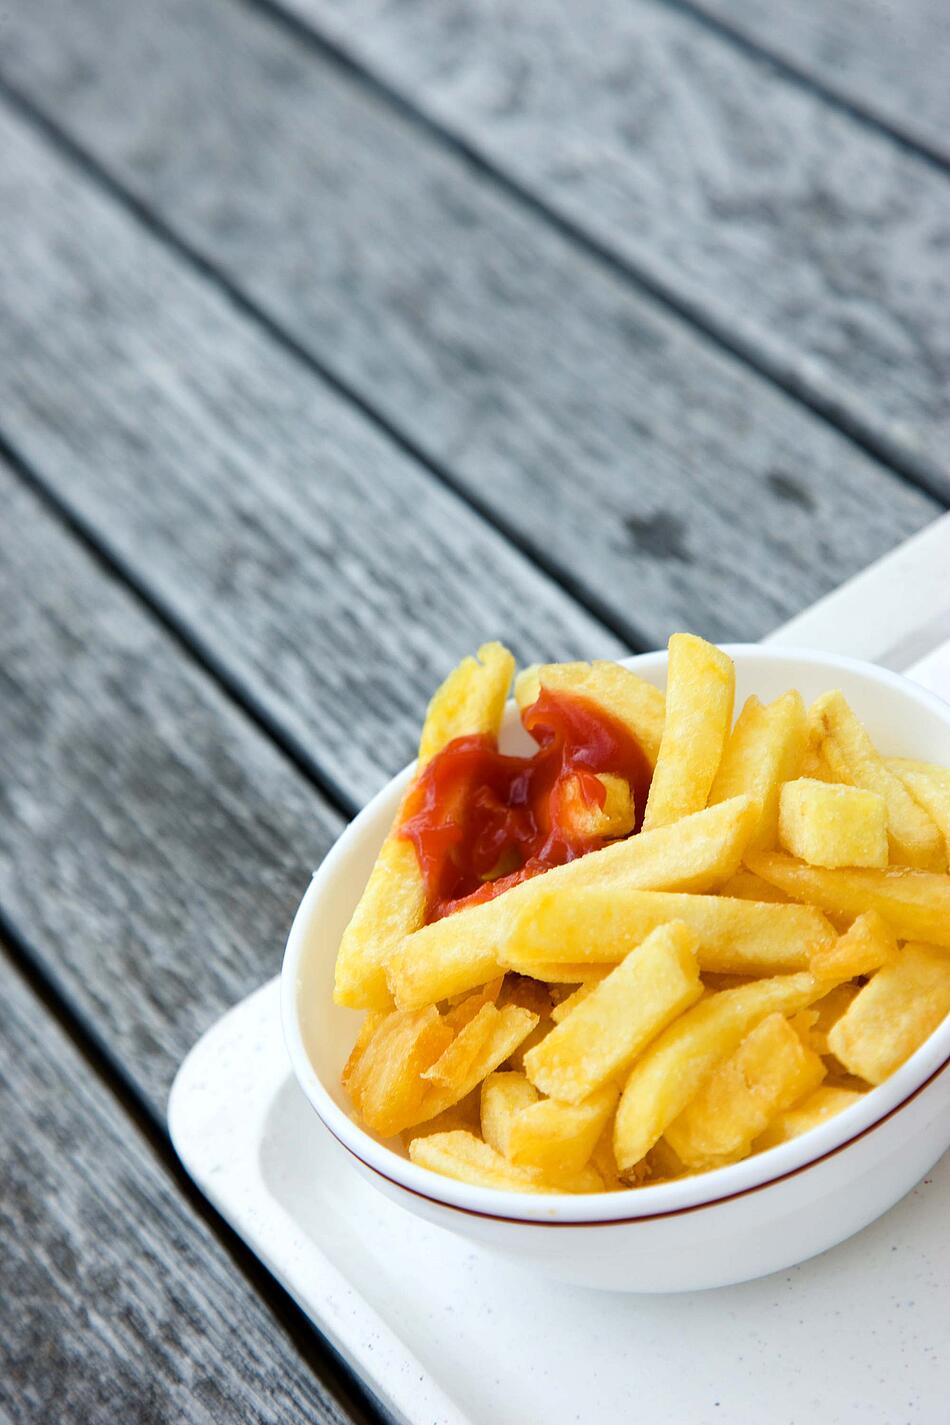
[
  {"x": 917, "y": 471},
  {"x": 313, "y": 1349},
  {"x": 628, "y": 633}
]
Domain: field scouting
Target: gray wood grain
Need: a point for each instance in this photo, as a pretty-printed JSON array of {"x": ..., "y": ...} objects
[
  {"x": 890, "y": 57},
  {"x": 153, "y": 844},
  {"x": 668, "y": 482},
  {"x": 333, "y": 575},
  {"x": 116, "y": 1302},
  {"x": 819, "y": 244}
]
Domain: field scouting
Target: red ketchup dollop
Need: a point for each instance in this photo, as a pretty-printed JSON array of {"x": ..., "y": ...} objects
[{"x": 482, "y": 821}]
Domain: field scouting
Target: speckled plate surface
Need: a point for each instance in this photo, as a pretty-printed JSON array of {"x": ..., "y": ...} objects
[{"x": 444, "y": 1334}]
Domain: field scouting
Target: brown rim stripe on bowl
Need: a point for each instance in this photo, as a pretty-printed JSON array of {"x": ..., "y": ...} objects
[{"x": 646, "y": 1216}]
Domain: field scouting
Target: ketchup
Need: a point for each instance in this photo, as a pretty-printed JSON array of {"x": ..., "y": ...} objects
[{"x": 482, "y": 821}]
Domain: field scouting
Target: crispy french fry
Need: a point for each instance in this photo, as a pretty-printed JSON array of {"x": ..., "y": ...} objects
[
  {"x": 621, "y": 693},
  {"x": 562, "y": 1010},
  {"x": 930, "y": 788},
  {"x": 582, "y": 819},
  {"x": 764, "y": 749},
  {"x": 894, "y": 1013},
  {"x": 386, "y": 1085},
  {"x": 852, "y": 756},
  {"x": 460, "y": 1069},
  {"x": 602, "y": 924},
  {"x": 462, "y": 1156},
  {"x": 915, "y": 904},
  {"x": 826, "y": 1102},
  {"x": 833, "y": 824},
  {"x": 503, "y": 1096},
  {"x": 770, "y": 1070},
  {"x": 559, "y": 1138},
  {"x": 463, "y": 950},
  {"x": 372, "y": 1019},
  {"x": 458, "y": 1015},
  {"x": 864, "y": 948},
  {"x": 602, "y": 1036},
  {"x": 829, "y": 1009},
  {"x": 393, "y": 904},
  {"x": 746, "y": 886},
  {"x": 699, "y": 694},
  {"x": 672, "y": 1069},
  {"x": 464, "y": 1114}
]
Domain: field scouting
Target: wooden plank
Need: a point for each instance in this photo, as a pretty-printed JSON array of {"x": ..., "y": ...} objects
[
  {"x": 153, "y": 844},
  {"x": 117, "y": 1302},
  {"x": 333, "y": 575},
  {"x": 891, "y": 61},
  {"x": 814, "y": 243},
  {"x": 670, "y": 484}
]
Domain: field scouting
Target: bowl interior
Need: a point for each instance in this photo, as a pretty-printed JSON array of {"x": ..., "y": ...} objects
[{"x": 902, "y": 719}]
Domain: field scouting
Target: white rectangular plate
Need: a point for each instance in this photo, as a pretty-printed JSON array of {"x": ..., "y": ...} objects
[{"x": 444, "y": 1334}]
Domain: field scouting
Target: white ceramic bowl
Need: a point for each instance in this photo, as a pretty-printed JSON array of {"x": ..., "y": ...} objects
[{"x": 729, "y": 1225}]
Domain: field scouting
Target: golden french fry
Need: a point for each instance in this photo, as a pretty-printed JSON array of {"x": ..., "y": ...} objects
[
  {"x": 930, "y": 788},
  {"x": 386, "y": 1085},
  {"x": 852, "y": 757},
  {"x": 833, "y": 824},
  {"x": 554, "y": 972},
  {"x": 699, "y": 694},
  {"x": 915, "y": 904},
  {"x": 829, "y": 1009},
  {"x": 602, "y": 924},
  {"x": 581, "y": 818},
  {"x": 472, "y": 699},
  {"x": 562, "y": 1010},
  {"x": 464, "y": 950},
  {"x": 746, "y": 886},
  {"x": 826, "y": 1102},
  {"x": 764, "y": 749},
  {"x": 503, "y": 1096},
  {"x": 462, "y": 1156},
  {"x": 770, "y": 1070},
  {"x": 814, "y": 764},
  {"x": 559, "y": 1138},
  {"x": 864, "y": 948},
  {"x": 393, "y": 903},
  {"x": 461, "y": 1068},
  {"x": 672, "y": 1069},
  {"x": 602, "y": 1160},
  {"x": 630, "y": 699},
  {"x": 372, "y": 1019},
  {"x": 602, "y": 1036},
  {"x": 458, "y": 1015},
  {"x": 464, "y": 1114},
  {"x": 894, "y": 1013}
]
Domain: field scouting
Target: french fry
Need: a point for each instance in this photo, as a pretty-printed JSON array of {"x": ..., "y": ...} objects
[
  {"x": 559, "y": 1138},
  {"x": 532, "y": 995},
  {"x": 462, "y": 1156},
  {"x": 770, "y": 1070},
  {"x": 602, "y": 924},
  {"x": 464, "y": 1114},
  {"x": 833, "y": 824},
  {"x": 463, "y": 950},
  {"x": 584, "y": 819},
  {"x": 764, "y": 749},
  {"x": 602, "y": 1036},
  {"x": 386, "y": 1085},
  {"x": 915, "y": 904},
  {"x": 864, "y": 948},
  {"x": 562, "y": 1010},
  {"x": 458, "y": 1015},
  {"x": 829, "y": 1009},
  {"x": 826, "y": 1102},
  {"x": 930, "y": 788},
  {"x": 894, "y": 1013},
  {"x": 372, "y": 1019},
  {"x": 553, "y": 972},
  {"x": 393, "y": 903},
  {"x": 503, "y": 1096},
  {"x": 630, "y": 699},
  {"x": 699, "y": 694},
  {"x": 852, "y": 756},
  {"x": 672, "y": 1069},
  {"x": 746, "y": 886},
  {"x": 460, "y": 1069}
]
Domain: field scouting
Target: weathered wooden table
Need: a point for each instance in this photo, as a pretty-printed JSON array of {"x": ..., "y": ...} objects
[{"x": 336, "y": 336}]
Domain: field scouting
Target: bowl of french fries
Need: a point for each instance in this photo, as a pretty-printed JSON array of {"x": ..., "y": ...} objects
[{"x": 642, "y": 978}]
